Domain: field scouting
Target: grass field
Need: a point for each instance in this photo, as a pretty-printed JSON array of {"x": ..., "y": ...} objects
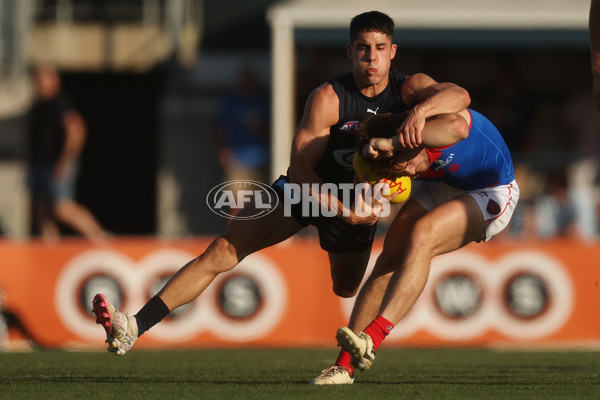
[{"x": 283, "y": 374}]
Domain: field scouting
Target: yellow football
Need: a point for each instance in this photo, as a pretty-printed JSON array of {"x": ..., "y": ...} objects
[{"x": 400, "y": 185}]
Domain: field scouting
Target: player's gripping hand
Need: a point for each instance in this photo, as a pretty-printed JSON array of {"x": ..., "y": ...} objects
[
  {"x": 378, "y": 148},
  {"x": 409, "y": 133},
  {"x": 365, "y": 211}
]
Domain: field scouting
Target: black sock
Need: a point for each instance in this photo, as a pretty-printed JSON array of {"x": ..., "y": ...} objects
[{"x": 151, "y": 314}]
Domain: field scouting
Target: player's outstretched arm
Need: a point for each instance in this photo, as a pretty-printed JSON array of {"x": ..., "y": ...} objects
[
  {"x": 438, "y": 131},
  {"x": 444, "y": 130}
]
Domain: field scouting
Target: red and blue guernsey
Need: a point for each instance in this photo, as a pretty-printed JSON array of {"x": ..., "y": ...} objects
[{"x": 479, "y": 161}]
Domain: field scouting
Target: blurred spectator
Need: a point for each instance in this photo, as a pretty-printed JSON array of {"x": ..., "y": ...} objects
[
  {"x": 243, "y": 130},
  {"x": 554, "y": 211},
  {"x": 581, "y": 124},
  {"x": 57, "y": 135},
  {"x": 583, "y": 192}
]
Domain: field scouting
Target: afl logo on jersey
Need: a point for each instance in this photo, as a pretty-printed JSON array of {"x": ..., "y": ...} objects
[{"x": 350, "y": 127}]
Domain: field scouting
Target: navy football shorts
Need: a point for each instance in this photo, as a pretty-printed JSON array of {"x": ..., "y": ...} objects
[{"x": 335, "y": 235}]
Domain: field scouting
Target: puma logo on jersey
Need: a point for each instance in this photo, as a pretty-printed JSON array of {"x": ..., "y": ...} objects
[{"x": 372, "y": 112}]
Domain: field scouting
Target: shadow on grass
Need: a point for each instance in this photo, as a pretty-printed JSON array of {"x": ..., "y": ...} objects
[
  {"x": 130, "y": 379},
  {"x": 504, "y": 381}
]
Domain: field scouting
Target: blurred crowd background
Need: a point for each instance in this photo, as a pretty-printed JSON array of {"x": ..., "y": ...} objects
[{"x": 177, "y": 97}]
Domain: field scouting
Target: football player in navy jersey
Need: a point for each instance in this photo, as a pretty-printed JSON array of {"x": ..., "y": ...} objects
[{"x": 322, "y": 151}]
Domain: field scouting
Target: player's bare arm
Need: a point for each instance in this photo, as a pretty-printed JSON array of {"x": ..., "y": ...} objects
[
  {"x": 442, "y": 130},
  {"x": 428, "y": 98},
  {"x": 439, "y": 131},
  {"x": 309, "y": 143},
  {"x": 312, "y": 134},
  {"x": 310, "y": 140}
]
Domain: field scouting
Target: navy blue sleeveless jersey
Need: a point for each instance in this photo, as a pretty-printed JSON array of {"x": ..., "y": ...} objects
[{"x": 335, "y": 166}]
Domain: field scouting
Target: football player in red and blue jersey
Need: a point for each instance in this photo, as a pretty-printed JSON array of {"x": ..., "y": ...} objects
[{"x": 467, "y": 193}]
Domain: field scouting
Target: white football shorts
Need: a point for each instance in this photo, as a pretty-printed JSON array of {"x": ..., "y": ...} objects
[{"x": 497, "y": 203}]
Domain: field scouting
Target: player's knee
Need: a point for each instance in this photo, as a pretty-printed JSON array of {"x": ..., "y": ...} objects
[
  {"x": 223, "y": 253},
  {"x": 420, "y": 237},
  {"x": 345, "y": 291}
]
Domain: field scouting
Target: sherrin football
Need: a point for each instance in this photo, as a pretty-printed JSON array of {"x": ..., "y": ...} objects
[{"x": 400, "y": 185}]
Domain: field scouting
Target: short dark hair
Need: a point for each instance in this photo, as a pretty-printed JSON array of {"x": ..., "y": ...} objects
[
  {"x": 371, "y": 21},
  {"x": 384, "y": 126}
]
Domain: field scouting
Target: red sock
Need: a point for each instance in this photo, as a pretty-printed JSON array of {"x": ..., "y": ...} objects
[
  {"x": 378, "y": 330},
  {"x": 345, "y": 361}
]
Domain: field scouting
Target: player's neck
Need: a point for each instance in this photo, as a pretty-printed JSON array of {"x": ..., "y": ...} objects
[{"x": 371, "y": 89}]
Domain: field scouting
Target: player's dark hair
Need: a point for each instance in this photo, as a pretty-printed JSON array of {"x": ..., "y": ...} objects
[
  {"x": 371, "y": 21},
  {"x": 384, "y": 126}
]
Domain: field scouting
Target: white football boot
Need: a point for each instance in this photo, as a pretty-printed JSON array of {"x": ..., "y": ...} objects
[
  {"x": 359, "y": 345},
  {"x": 121, "y": 329},
  {"x": 333, "y": 376}
]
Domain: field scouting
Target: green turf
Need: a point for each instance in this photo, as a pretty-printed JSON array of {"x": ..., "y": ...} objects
[{"x": 283, "y": 374}]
